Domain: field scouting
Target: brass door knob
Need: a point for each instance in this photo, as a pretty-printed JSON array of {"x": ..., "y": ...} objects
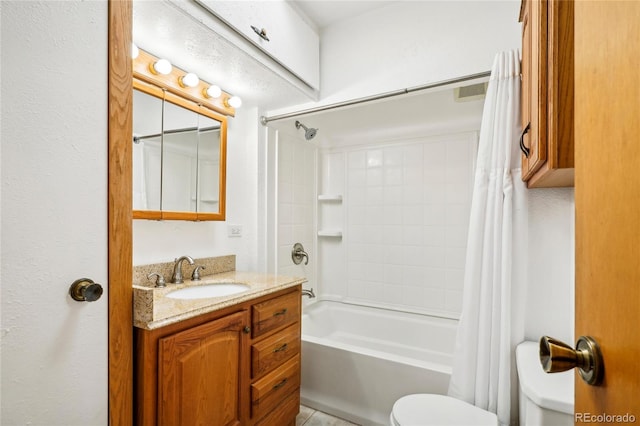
[
  {"x": 85, "y": 290},
  {"x": 556, "y": 356}
]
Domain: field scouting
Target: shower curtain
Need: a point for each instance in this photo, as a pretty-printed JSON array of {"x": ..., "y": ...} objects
[{"x": 492, "y": 319}]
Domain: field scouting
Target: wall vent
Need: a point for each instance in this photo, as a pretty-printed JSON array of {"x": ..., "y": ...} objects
[{"x": 470, "y": 93}]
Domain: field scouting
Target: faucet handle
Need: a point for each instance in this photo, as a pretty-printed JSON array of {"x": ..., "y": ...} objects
[
  {"x": 195, "y": 275},
  {"x": 160, "y": 282}
]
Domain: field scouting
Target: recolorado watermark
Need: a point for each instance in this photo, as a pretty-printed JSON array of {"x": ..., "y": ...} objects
[{"x": 604, "y": 418}]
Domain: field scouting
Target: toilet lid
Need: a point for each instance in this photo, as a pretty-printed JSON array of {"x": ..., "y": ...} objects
[{"x": 441, "y": 410}]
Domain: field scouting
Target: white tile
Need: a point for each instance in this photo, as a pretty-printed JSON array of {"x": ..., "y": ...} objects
[
  {"x": 412, "y": 176},
  {"x": 434, "y": 214},
  {"x": 285, "y": 234},
  {"x": 413, "y": 255},
  {"x": 412, "y": 215},
  {"x": 454, "y": 279},
  {"x": 373, "y": 195},
  {"x": 393, "y": 176},
  {"x": 357, "y": 214},
  {"x": 391, "y": 234},
  {"x": 392, "y": 156},
  {"x": 357, "y": 270},
  {"x": 374, "y": 158},
  {"x": 433, "y": 298},
  {"x": 412, "y": 235},
  {"x": 456, "y": 236},
  {"x": 393, "y": 274},
  {"x": 413, "y": 275},
  {"x": 358, "y": 234},
  {"x": 374, "y": 253},
  {"x": 412, "y": 194},
  {"x": 434, "y": 236},
  {"x": 434, "y": 257},
  {"x": 457, "y": 193},
  {"x": 393, "y": 195},
  {"x": 394, "y": 254},
  {"x": 453, "y": 300},
  {"x": 413, "y": 295},
  {"x": 434, "y": 194},
  {"x": 392, "y": 214},
  {"x": 357, "y": 178},
  {"x": 356, "y": 252},
  {"x": 357, "y": 160},
  {"x": 435, "y": 277},
  {"x": 374, "y": 176},
  {"x": 455, "y": 257},
  {"x": 457, "y": 214},
  {"x": 413, "y": 156},
  {"x": 374, "y": 272}
]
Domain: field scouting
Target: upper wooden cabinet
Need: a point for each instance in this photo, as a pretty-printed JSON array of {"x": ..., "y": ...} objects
[
  {"x": 547, "y": 141},
  {"x": 277, "y": 29}
]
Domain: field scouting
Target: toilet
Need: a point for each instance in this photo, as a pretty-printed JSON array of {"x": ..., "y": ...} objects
[
  {"x": 545, "y": 399},
  {"x": 438, "y": 410}
]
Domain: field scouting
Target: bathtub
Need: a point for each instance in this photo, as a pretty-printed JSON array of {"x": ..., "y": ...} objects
[{"x": 357, "y": 360}]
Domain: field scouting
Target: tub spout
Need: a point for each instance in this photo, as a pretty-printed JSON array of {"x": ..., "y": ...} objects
[{"x": 309, "y": 293}]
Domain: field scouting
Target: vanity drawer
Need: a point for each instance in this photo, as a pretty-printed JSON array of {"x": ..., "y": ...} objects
[
  {"x": 274, "y": 350},
  {"x": 275, "y": 313},
  {"x": 285, "y": 413},
  {"x": 272, "y": 389}
]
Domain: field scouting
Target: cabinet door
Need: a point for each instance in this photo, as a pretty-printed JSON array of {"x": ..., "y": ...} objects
[
  {"x": 534, "y": 85},
  {"x": 287, "y": 38},
  {"x": 202, "y": 372}
]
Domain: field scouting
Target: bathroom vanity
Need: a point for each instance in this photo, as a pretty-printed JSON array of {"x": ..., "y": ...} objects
[{"x": 229, "y": 360}]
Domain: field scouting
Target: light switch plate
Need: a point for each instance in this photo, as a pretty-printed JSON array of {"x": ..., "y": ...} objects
[{"x": 234, "y": 231}]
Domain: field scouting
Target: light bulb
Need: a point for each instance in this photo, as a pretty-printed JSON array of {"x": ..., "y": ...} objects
[
  {"x": 134, "y": 51},
  {"x": 213, "y": 92},
  {"x": 234, "y": 102},
  {"x": 189, "y": 80},
  {"x": 162, "y": 66}
]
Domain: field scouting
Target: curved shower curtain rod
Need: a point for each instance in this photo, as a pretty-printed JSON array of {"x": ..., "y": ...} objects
[{"x": 265, "y": 120}]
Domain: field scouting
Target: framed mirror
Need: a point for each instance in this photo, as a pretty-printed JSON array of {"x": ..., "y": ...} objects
[{"x": 179, "y": 159}]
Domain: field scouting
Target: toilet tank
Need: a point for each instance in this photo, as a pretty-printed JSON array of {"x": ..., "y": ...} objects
[{"x": 545, "y": 399}]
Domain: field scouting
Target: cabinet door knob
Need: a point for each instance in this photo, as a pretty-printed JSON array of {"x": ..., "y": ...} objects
[
  {"x": 246, "y": 329},
  {"x": 261, "y": 32},
  {"x": 523, "y": 148}
]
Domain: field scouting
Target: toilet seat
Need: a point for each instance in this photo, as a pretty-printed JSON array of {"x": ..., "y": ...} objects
[{"x": 440, "y": 410}]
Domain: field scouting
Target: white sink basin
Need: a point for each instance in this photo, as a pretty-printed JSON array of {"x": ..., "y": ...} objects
[{"x": 208, "y": 290}]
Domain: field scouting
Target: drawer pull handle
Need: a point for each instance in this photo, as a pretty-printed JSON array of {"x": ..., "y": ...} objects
[
  {"x": 278, "y": 313},
  {"x": 280, "y": 348},
  {"x": 523, "y": 148},
  {"x": 280, "y": 384}
]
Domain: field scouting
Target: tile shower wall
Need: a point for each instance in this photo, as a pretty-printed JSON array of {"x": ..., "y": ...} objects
[
  {"x": 295, "y": 211},
  {"x": 407, "y": 210}
]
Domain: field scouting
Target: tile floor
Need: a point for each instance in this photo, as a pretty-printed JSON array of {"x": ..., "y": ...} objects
[{"x": 310, "y": 417}]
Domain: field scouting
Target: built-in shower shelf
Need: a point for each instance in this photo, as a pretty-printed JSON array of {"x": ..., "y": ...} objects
[
  {"x": 330, "y": 233},
  {"x": 330, "y": 197}
]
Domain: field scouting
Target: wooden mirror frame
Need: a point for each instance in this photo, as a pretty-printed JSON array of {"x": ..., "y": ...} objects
[
  {"x": 167, "y": 96},
  {"x": 168, "y": 88}
]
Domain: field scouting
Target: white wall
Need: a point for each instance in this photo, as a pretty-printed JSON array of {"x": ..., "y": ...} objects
[
  {"x": 411, "y": 43},
  {"x": 162, "y": 241},
  {"x": 54, "y": 212},
  {"x": 550, "y": 276}
]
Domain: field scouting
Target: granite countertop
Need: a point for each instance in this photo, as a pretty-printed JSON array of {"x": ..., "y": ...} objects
[{"x": 152, "y": 309}]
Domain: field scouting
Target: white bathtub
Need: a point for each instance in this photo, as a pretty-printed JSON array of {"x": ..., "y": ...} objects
[{"x": 357, "y": 361}]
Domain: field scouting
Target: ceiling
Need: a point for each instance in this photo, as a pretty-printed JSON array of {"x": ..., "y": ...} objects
[{"x": 327, "y": 12}]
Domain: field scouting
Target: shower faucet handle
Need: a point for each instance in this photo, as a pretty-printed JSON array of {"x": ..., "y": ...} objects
[{"x": 298, "y": 253}]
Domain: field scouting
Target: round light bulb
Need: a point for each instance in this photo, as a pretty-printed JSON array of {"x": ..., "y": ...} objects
[
  {"x": 162, "y": 66},
  {"x": 234, "y": 102},
  {"x": 134, "y": 51},
  {"x": 213, "y": 91},
  {"x": 189, "y": 80}
]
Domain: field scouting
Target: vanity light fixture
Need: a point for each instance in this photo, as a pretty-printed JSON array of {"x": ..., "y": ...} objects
[
  {"x": 213, "y": 91},
  {"x": 161, "y": 66},
  {"x": 134, "y": 51},
  {"x": 152, "y": 70},
  {"x": 189, "y": 80},
  {"x": 233, "y": 102}
]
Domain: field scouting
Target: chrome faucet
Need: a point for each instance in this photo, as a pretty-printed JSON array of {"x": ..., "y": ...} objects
[
  {"x": 309, "y": 293},
  {"x": 176, "y": 278}
]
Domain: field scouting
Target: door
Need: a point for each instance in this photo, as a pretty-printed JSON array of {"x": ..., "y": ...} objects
[
  {"x": 607, "y": 135},
  {"x": 203, "y": 372},
  {"x": 54, "y": 212}
]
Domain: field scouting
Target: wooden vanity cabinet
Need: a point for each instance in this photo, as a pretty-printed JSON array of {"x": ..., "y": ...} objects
[
  {"x": 547, "y": 93},
  {"x": 233, "y": 367}
]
